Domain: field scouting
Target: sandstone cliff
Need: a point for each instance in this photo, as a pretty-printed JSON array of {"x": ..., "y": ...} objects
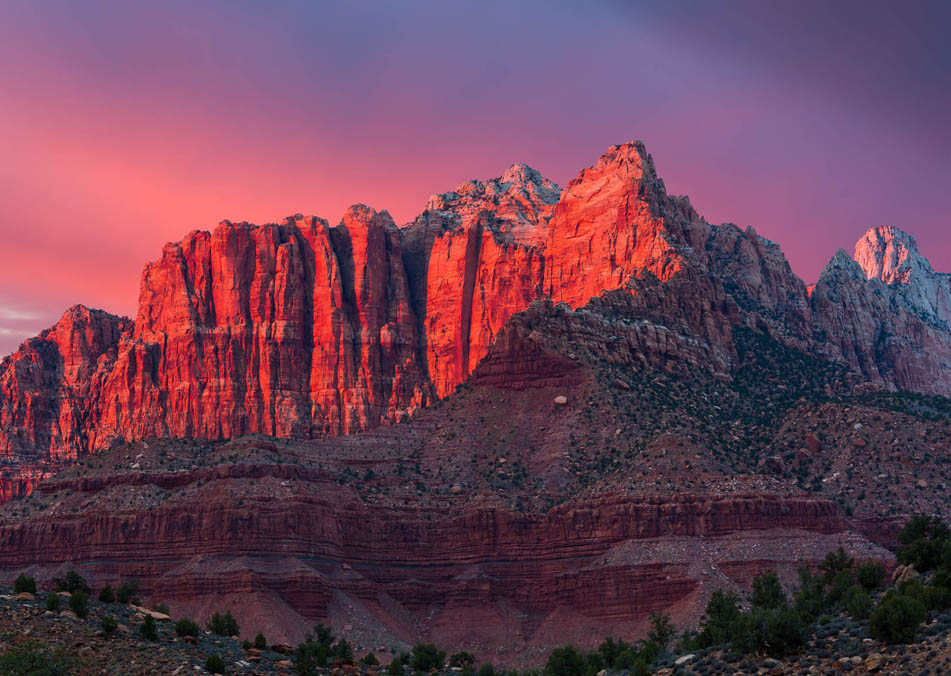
[{"x": 304, "y": 330}]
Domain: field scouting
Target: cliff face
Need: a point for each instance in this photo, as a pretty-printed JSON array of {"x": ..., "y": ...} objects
[{"x": 304, "y": 330}]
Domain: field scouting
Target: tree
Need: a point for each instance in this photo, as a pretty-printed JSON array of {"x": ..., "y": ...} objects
[
  {"x": 106, "y": 595},
  {"x": 857, "y": 603},
  {"x": 896, "y": 618},
  {"x": 109, "y": 625},
  {"x": 223, "y": 625},
  {"x": 343, "y": 651},
  {"x": 370, "y": 660},
  {"x": 35, "y": 659},
  {"x": 260, "y": 642},
  {"x": 79, "y": 603},
  {"x": 185, "y": 627},
  {"x": 426, "y": 657},
  {"x": 24, "y": 585},
  {"x": 214, "y": 665},
  {"x": 768, "y": 592},
  {"x": 72, "y": 583},
  {"x": 661, "y": 629},
  {"x": 776, "y": 632},
  {"x": 926, "y": 543},
  {"x": 127, "y": 590},
  {"x": 149, "y": 630},
  {"x": 565, "y": 661},
  {"x": 461, "y": 660},
  {"x": 52, "y": 602},
  {"x": 836, "y": 562},
  {"x": 395, "y": 668},
  {"x": 722, "y": 611},
  {"x": 811, "y": 600},
  {"x": 870, "y": 574}
]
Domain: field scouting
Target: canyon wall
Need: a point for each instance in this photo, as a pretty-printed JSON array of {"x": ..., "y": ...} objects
[{"x": 300, "y": 329}]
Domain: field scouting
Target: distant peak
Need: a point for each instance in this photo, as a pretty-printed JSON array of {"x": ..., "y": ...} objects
[{"x": 890, "y": 254}]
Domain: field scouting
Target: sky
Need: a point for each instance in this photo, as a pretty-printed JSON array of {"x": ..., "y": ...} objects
[{"x": 126, "y": 125}]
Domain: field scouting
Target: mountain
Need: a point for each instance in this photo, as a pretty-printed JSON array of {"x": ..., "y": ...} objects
[{"x": 538, "y": 412}]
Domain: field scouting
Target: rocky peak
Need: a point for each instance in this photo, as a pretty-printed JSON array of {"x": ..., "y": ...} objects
[
  {"x": 515, "y": 206},
  {"x": 891, "y": 255}
]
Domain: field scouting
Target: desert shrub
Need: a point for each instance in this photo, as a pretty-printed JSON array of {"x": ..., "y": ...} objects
[
  {"x": 835, "y": 563},
  {"x": 260, "y": 642},
  {"x": 767, "y": 592},
  {"x": 810, "y": 601},
  {"x": 314, "y": 651},
  {"x": 215, "y": 665},
  {"x": 35, "y": 659},
  {"x": 127, "y": 590},
  {"x": 661, "y": 629},
  {"x": 52, "y": 602},
  {"x": 185, "y": 627},
  {"x": 79, "y": 603},
  {"x": 426, "y": 656},
  {"x": 926, "y": 543},
  {"x": 109, "y": 625},
  {"x": 370, "y": 660},
  {"x": 461, "y": 660},
  {"x": 24, "y": 584},
  {"x": 610, "y": 650},
  {"x": 722, "y": 611},
  {"x": 896, "y": 618},
  {"x": 931, "y": 597},
  {"x": 149, "y": 630},
  {"x": 223, "y": 625},
  {"x": 776, "y": 632},
  {"x": 161, "y": 608},
  {"x": 72, "y": 583},
  {"x": 565, "y": 661},
  {"x": 840, "y": 583},
  {"x": 870, "y": 574},
  {"x": 857, "y": 603},
  {"x": 396, "y": 667},
  {"x": 106, "y": 595},
  {"x": 342, "y": 650}
]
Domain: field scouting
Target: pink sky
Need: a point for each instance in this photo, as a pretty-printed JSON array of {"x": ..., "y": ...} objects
[{"x": 127, "y": 127}]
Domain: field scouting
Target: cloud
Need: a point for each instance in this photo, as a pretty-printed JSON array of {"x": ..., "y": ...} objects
[
  {"x": 15, "y": 333},
  {"x": 10, "y": 314}
]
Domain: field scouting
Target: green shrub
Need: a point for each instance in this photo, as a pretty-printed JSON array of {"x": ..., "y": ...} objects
[
  {"x": 127, "y": 590},
  {"x": 835, "y": 563},
  {"x": 314, "y": 651},
  {"x": 840, "y": 583},
  {"x": 370, "y": 660},
  {"x": 857, "y": 603},
  {"x": 79, "y": 603},
  {"x": 161, "y": 608},
  {"x": 215, "y": 665},
  {"x": 926, "y": 543},
  {"x": 106, "y": 595},
  {"x": 896, "y": 618},
  {"x": 426, "y": 656},
  {"x": 149, "y": 630},
  {"x": 722, "y": 611},
  {"x": 396, "y": 667},
  {"x": 661, "y": 629},
  {"x": 185, "y": 627},
  {"x": 611, "y": 650},
  {"x": 461, "y": 660},
  {"x": 342, "y": 650},
  {"x": 260, "y": 642},
  {"x": 109, "y": 625},
  {"x": 52, "y": 602},
  {"x": 776, "y": 632},
  {"x": 223, "y": 625},
  {"x": 767, "y": 592},
  {"x": 565, "y": 661},
  {"x": 811, "y": 600},
  {"x": 870, "y": 574},
  {"x": 35, "y": 659},
  {"x": 72, "y": 583},
  {"x": 24, "y": 584}
]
